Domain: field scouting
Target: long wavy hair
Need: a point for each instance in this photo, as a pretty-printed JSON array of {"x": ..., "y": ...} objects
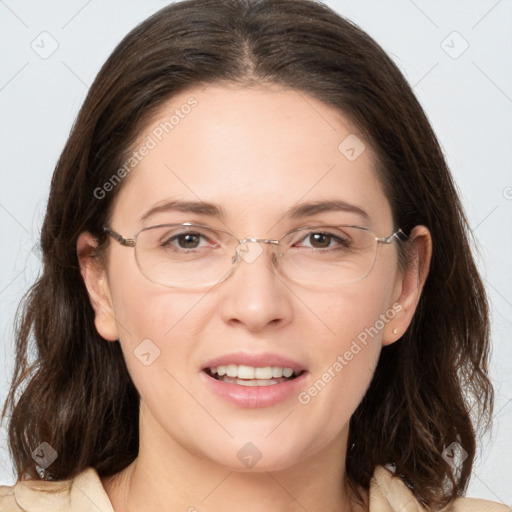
[{"x": 431, "y": 388}]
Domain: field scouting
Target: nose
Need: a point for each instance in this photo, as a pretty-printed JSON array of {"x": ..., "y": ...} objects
[{"x": 255, "y": 295}]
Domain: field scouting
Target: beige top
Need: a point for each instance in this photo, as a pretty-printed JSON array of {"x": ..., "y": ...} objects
[{"x": 85, "y": 493}]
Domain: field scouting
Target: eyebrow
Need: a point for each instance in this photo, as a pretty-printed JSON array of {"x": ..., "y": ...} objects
[
  {"x": 296, "y": 212},
  {"x": 334, "y": 205},
  {"x": 199, "y": 207}
]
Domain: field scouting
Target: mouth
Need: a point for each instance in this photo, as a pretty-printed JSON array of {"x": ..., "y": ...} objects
[
  {"x": 244, "y": 375},
  {"x": 251, "y": 380}
]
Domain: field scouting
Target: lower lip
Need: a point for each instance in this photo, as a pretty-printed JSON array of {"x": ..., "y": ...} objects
[{"x": 255, "y": 396}]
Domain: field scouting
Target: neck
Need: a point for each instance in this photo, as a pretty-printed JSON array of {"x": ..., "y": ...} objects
[{"x": 177, "y": 479}]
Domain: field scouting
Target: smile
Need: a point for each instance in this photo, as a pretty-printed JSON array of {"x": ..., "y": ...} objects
[{"x": 244, "y": 375}]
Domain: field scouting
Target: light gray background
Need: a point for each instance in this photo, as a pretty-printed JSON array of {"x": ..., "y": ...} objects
[{"x": 466, "y": 94}]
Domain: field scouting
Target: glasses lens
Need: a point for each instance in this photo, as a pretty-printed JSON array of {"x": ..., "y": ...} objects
[
  {"x": 184, "y": 256},
  {"x": 329, "y": 255},
  {"x": 193, "y": 256}
]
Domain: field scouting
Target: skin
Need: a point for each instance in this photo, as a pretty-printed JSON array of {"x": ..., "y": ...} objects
[{"x": 255, "y": 151}]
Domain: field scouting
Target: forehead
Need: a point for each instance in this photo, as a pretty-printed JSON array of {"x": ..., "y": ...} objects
[{"x": 254, "y": 151}]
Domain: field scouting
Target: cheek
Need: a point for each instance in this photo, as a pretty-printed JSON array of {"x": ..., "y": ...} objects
[
  {"x": 357, "y": 312},
  {"x": 346, "y": 354},
  {"x": 159, "y": 336},
  {"x": 158, "y": 326},
  {"x": 144, "y": 309}
]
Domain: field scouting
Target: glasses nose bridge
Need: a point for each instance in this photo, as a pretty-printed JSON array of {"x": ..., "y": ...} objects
[
  {"x": 246, "y": 255},
  {"x": 251, "y": 239}
]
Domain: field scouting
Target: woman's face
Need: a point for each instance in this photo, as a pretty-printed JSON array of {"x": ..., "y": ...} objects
[{"x": 256, "y": 153}]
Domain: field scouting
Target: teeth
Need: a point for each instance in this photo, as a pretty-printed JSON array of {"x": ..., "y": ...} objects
[
  {"x": 245, "y": 372},
  {"x": 252, "y": 382},
  {"x": 287, "y": 372},
  {"x": 249, "y": 372},
  {"x": 260, "y": 382},
  {"x": 232, "y": 370}
]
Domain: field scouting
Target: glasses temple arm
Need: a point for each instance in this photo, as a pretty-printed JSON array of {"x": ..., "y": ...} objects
[{"x": 127, "y": 242}]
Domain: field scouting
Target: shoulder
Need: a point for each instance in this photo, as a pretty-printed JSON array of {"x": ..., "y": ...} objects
[
  {"x": 388, "y": 493},
  {"x": 83, "y": 493}
]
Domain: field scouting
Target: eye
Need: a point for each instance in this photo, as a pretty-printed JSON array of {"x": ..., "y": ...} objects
[
  {"x": 326, "y": 240},
  {"x": 187, "y": 240},
  {"x": 320, "y": 240}
]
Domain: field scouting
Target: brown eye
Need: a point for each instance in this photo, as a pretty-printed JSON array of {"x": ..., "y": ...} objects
[
  {"x": 324, "y": 240},
  {"x": 189, "y": 240},
  {"x": 186, "y": 241},
  {"x": 320, "y": 240}
]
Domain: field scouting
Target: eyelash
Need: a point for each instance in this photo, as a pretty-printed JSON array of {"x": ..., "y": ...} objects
[
  {"x": 341, "y": 242},
  {"x": 167, "y": 243}
]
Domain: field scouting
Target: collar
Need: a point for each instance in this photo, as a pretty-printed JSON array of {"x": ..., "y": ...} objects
[
  {"x": 84, "y": 493},
  {"x": 389, "y": 493}
]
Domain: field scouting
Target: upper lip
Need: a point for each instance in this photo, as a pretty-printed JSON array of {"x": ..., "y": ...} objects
[{"x": 254, "y": 360}]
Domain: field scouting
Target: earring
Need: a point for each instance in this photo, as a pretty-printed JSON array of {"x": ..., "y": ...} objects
[{"x": 395, "y": 331}]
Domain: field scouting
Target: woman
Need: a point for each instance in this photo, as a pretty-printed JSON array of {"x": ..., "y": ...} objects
[{"x": 258, "y": 289}]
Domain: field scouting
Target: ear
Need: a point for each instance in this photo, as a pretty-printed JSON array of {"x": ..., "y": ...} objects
[
  {"x": 94, "y": 275},
  {"x": 409, "y": 285}
]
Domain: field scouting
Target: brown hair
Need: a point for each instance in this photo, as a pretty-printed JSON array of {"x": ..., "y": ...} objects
[{"x": 77, "y": 394}]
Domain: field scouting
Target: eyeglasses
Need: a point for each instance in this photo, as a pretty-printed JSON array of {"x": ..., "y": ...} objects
[{"x": 192, "y": 255}]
